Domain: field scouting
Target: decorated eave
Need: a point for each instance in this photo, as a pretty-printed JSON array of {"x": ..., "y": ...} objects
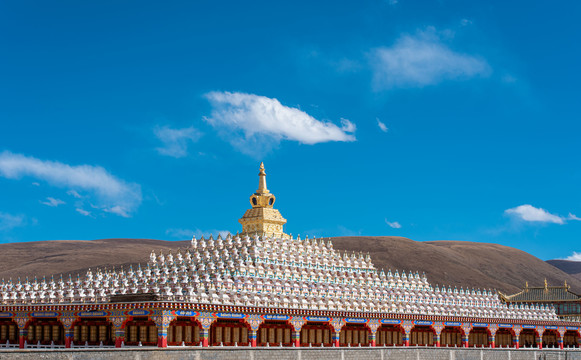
[
  {"x": 175, "y": 307},
  {"x": 542, "y": 294}
]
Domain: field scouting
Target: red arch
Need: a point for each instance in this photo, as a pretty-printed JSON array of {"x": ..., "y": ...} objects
[
  {"x": 426, "y": 339},
  {"x": 216, "y": 339},
  {"x": 283, "y": 337},
  {"x": 184, "y": 322},
  {"x": 386, "y": 328}
]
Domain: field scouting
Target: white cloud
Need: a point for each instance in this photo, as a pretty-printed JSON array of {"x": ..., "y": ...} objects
[
  {"x": 422, "y": 60},
  {"x": 394, "y": 225},
  {"x": 575, "y": 257},
  {"x": 52, "y": 202},
  {"x": 188, "y": 233},
  {"x": 9, "y": 221},
  {"x": 382, "y": 126},
  {"x": 83, "y": 212},
  {"x": 74, "y": 194},
  {"x": 176, "y": 141},
  {"x": 110, "y": 192},
  {"x": 573, "y": 217},
  {"x": 532, "y": 214},
  {"x": 118, "y": 210},
  {"x": 265, "y": 122},
  {"x": 465, "y": 22}
]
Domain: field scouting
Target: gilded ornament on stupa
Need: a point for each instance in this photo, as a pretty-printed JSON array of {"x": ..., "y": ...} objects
[{"x": 262, "y": 219}]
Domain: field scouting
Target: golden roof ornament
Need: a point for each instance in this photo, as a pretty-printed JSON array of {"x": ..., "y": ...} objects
[{"x": 263, "y": 219}]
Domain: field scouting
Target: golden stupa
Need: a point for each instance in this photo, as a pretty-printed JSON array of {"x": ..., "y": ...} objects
[{"x": 263, "y": 219}]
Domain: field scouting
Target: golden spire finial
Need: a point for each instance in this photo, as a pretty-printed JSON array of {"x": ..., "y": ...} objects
[
  {"x": 566, "y": 286},
  {"x": 546, "y": 285},
  {"x": 262, "y": 181},
  {"x": 527, "y": 284}
]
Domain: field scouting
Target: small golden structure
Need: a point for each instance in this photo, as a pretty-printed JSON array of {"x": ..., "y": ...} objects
[{"x": 263, "y": 219}]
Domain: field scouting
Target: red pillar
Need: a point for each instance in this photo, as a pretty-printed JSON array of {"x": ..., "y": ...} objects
[
  {"x": 296, "y": 338},
  {"x": 119, "y": 336},
  {"x": 253, "y": 338},
  {"x": 204, "y": 335},
  {"x": 335, "y": 339},
  {"x": 68, "y": 337},
  {"x": 162, "y": 341},
  {"x": 21, "y": 339},
  {"x": 162, "y": 335}
]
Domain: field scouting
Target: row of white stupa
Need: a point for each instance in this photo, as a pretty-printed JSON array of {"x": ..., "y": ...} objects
[{"x": 273, "y": 272}]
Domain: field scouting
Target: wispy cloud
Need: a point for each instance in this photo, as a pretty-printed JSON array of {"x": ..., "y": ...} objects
[
  {"x": 382, "y": 126},
  {"x": 74, "y": 194},
  {"x": 188, "y": 233},
  {"x": 394, "y": 224},
  {"x": 573, "y": 217},
  {"x": 249, "y": 120},
  {"x": 9, "y": 221},
  {"x": 176, "y": 141},
  {"x": 574, "y": 257},
  {"x": 423, "y": 59},
  {"x": 52, "y": 202},
  {"x": 530, "y": 213},
  {"x": 465, "y": 22},
  {"x": 111, "y": 193},
  {"x": 83, "y": 212}
]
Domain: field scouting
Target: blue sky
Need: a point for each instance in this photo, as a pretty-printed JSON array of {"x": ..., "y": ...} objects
[{"x": 433, "y": 120}]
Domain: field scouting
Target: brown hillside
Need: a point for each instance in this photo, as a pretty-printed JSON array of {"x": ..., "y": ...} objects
[
  {"x": 572, "y": 268},
  {"x": 455, "y": 263},
  {"x": 459, "y": 263},
  {"x": 72, "y": 256}
]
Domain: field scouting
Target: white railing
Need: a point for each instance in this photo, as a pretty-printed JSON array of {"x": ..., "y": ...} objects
[{"x": 40, "y": 346}]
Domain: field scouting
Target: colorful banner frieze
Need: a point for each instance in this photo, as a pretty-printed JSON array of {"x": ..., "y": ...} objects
[
  {"x": 316, "y": 318},
  {"x": 529, "y": 326},
  {"x": 45, "y": 314},
  {"x": 6, "y": 314},
  {"x": 138, "y": 313},
  {"x": 230, "y": 316},
  {"x": 188, "y": 313},
  {"x": 390, "y": 321},
  {"x": 423, "y": 322},
  {"x": 504, "y": 325},
  {"x": 92, "y": 314},
  {"x": 479, "y": 324},
  {"x": 551, "y": 327},
  {"x": 356, "y": 320},
  {"x": 452, "y": 323},
  {"x": 275, "y": 317}
]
